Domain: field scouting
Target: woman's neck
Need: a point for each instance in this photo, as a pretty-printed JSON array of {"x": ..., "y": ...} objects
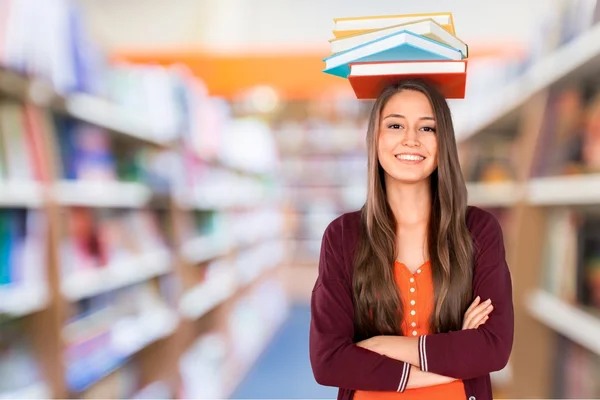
[{"x": 410, "y": 203}]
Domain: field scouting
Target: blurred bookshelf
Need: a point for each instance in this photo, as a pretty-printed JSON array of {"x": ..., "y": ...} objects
[
  {"x": 323, "y": 152},
  {"x": 141, "y": 222},
  {"x": 530, "y": 153}
]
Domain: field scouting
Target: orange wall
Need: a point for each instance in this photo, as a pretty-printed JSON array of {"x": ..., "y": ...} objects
[{"x": 295, "y": 75}]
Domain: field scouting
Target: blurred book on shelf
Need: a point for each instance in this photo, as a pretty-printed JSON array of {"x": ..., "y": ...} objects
[
  {"x": 216, "y": 362},
  {"x": 102, "y": 332},
  {"x": 577, "y": 371},
  {"x": 569, "y": 138},
  {"x": 101, "y": 241},
  {"x": 589, "y": 275},
  {"x": 489, "y": 160},
  {"x": 23, "y": 247},
  {"x": 20, "y": 374}
]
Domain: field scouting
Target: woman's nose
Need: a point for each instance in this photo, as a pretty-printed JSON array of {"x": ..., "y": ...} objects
[{"x": 410, "y": 138}]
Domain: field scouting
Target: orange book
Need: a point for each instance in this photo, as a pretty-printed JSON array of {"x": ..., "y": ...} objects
[
  {"x": 357, "y": 25},
  {"x": 368, "y": 79}
]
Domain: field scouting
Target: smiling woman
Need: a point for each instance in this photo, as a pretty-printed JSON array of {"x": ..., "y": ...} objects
[{"x": 402, "y": 307}]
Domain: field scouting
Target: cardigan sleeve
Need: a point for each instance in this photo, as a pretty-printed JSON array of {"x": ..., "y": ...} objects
[
  {"x": 472, "y": 353},
  {"x": 335, "y": 359}
]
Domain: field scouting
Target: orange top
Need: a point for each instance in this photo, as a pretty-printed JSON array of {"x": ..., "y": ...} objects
[{"x": 417, "y": 298}]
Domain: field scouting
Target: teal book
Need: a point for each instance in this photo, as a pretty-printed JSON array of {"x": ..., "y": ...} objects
[
  {"x": 5, "y": 248},
  {"x": 400, "y": 46}
]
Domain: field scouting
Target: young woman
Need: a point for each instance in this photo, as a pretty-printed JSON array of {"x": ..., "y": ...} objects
[{"x": 414, "y": 297}]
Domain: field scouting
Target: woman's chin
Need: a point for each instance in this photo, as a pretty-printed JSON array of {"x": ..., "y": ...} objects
[{"x": 409, "y": 179}]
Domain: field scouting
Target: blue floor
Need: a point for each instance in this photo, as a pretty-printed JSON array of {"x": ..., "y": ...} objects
[{"x": 283, "y": 371}]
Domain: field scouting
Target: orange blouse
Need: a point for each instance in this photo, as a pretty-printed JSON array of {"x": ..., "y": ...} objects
[{"x": 417, "y": 298}]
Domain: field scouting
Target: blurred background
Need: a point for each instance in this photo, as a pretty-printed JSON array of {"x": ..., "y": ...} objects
[{"x": 167, "y": 170}]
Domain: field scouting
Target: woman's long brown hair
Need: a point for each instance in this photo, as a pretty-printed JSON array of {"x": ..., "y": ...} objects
[{"x": 378, "y": 304}]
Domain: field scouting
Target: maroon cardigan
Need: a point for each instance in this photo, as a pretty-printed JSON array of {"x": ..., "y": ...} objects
[{"x": 470, "y": 355}]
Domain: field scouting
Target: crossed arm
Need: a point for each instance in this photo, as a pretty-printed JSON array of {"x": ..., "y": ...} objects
[
  {"x": 406, "y": 349},
  {"x": 395, "y": 363}
]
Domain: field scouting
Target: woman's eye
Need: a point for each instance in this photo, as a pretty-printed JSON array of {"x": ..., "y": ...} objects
[
  {"x": 428, "y": 129},
  {"x": 394, "y": 126}
]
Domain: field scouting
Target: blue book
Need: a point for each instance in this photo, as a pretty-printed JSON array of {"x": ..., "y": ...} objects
[{"x": 400, "y": 46}]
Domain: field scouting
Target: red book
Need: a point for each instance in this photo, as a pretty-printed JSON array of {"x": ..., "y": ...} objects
[
  {"x": 35, "y": 134},
  {"x": 368, "y": 79}
]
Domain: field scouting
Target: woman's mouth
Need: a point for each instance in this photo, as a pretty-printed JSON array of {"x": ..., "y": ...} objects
[{"x": 410, "y": 158}]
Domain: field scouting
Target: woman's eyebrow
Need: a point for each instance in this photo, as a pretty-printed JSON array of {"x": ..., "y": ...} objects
[
  {"x": 394, "y": 116},
  {"x": 402, "y": 116}
]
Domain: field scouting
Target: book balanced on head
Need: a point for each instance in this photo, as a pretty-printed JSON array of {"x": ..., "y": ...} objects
[{"x": 373, "y": 52}]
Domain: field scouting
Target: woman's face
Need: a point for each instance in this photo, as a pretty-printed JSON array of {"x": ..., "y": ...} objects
[{"x": 407, "y": 148}]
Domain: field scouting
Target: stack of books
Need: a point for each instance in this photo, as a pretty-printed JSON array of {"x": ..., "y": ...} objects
[{"x": 374, "y": 52}]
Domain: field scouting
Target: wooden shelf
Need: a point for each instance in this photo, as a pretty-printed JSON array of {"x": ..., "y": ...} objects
[
  {"x": 37, "y": 390},
  {"x": 502, "y": 194},
  {"x": 204, "y": 248},
  {"x": 568, "y": 190},
  {"x": 26, "y": 89},
  {"x": 21, "y": 194},
  {"x": 207, "y": 295},
  {"x": 134, "y": 269},
  {"x": 101, "y": 194},
  {"x": 223, "y": 199},
  {"x": 83, "y": 107},
  {"x": 20, "y": 300},
  {"x": 103, "y": 113},
  {"x": 157, "y": 324},
  {"x": 568, "y": 320},
  {"x": 564, "y": 190}
]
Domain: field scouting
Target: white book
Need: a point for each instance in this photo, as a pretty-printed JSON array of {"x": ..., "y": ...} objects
[
  {"x": 425, "y": 27},
  {"x": 379, "y": 22},
  {"x": 406, "y": 68}
]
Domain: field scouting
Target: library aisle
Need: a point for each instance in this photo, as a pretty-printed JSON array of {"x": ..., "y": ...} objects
[
  {"x": 167, "y": 170},
  {"x": 283, "y": 371}
]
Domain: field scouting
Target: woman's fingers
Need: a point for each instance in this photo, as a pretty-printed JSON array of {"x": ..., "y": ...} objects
[
  {"x": 480, "y": 316},
  {"x": 474, "y": 316},
  {"x": 467, "y": 316},
  {"x": 473, "y": 304},
  {"x": 483, "y": 321}
]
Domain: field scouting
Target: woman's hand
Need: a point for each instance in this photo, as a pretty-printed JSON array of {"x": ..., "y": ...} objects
[
  {"x": 373, "y": 344},
  {"x": 477, "y": 313},
  {"x": 400, "y": 348}
]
